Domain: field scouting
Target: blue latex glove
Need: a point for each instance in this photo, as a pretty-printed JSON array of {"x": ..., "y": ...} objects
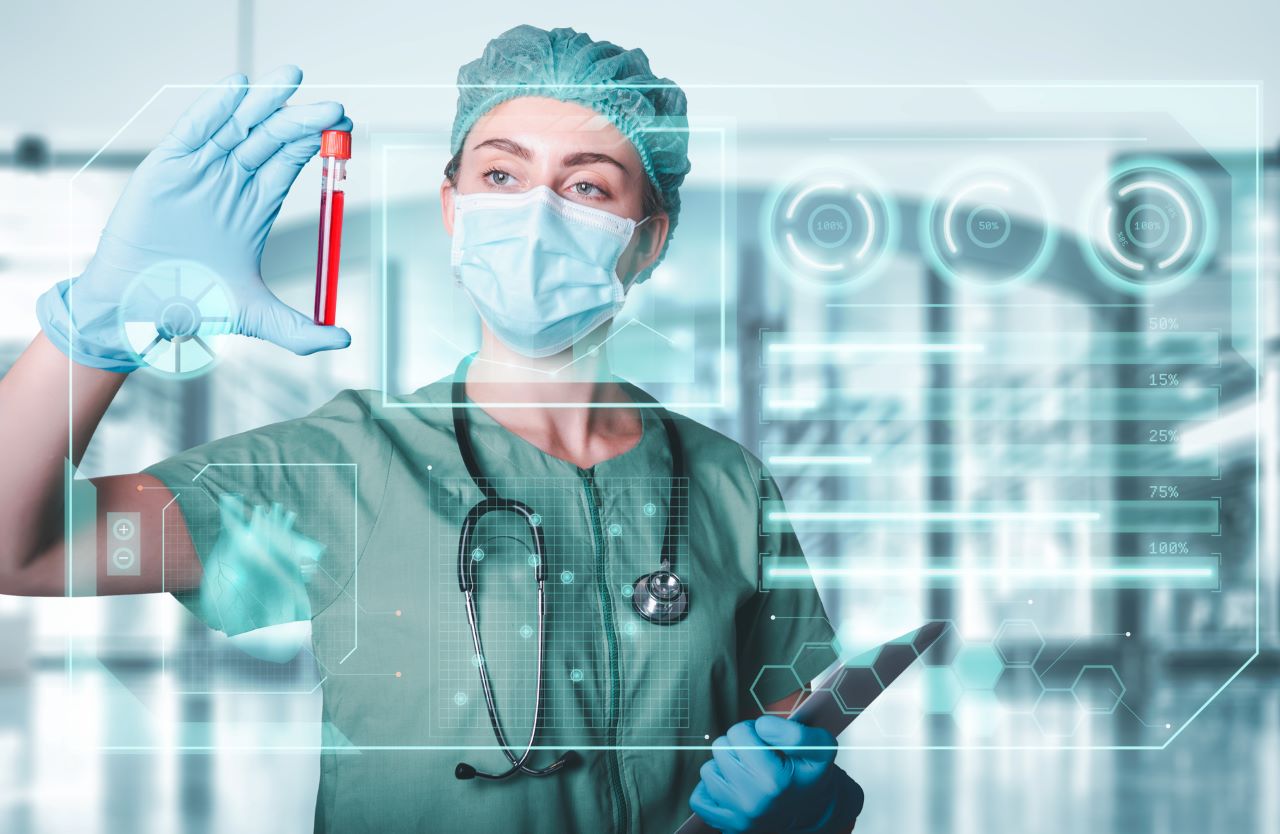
[
  {"x": 768, "y": 785},
  {"x": 204, "y": 200}
]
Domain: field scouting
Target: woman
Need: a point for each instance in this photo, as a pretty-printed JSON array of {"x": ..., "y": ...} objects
[{"x": 555, "y": 215}]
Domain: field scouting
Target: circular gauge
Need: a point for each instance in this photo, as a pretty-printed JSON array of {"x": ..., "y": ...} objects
[
  {"x": 830, "y": 228},
  {"x": 985, "y": 227},
  {"x": 172, "y": 316},
  {"x": 1149, "y": 227}
]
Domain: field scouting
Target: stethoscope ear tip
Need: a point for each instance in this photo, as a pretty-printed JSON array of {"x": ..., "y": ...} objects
[{"x": 464, "y": 771}]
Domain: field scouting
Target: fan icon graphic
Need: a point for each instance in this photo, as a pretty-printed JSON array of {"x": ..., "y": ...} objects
[{"x": 172, "y": 316}]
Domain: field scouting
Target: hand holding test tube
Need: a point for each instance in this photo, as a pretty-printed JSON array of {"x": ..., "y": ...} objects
[{"x": 207, "y": 195}]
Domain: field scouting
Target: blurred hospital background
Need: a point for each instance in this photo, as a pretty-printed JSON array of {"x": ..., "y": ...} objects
[{"x": 80, "y": 75}]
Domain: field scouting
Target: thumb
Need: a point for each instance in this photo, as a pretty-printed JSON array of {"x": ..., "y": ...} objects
[
  {"x": 273, "y": 320},
  {"x": 789, "y": 735}
]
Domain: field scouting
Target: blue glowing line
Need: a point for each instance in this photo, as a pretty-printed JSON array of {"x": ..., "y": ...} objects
[
  {"x": 795, "y": 203},
  {"x": 1001, "y": 515},
  {"x": 1176, "y": 573},
  {"x": 872, "y": 347},
  {"x": 804, "y": 460},
  {"x": 871, "y": 225},
  {"x": 798, "y": 405},
  {"x": 810, "y": 262}
]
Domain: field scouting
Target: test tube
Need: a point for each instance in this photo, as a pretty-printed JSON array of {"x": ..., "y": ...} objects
[{"x": 335, "y": 150}]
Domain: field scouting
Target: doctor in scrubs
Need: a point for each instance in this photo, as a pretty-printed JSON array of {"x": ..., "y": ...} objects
[{"x": 561, "y": 197}]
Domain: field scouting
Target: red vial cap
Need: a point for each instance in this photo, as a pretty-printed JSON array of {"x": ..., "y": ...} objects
[{"x": 335, "y": 143}]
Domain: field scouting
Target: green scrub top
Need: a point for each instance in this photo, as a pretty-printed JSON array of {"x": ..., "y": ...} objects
[{"x": 380, "y": 483}]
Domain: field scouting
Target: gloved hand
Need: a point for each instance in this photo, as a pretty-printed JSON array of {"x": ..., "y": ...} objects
[
  {"x": 767, "y": 785},
  {"x": 209, "y": 194}
]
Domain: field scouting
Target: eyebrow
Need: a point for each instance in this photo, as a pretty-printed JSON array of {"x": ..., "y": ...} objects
[
  {"x": 590, "y": 157},
  {"x": 513, "y": 148},
  {"x": 570, "y": 160}
]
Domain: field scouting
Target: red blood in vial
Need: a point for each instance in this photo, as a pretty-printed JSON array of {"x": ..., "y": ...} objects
[{"x": 327, "y": 262}]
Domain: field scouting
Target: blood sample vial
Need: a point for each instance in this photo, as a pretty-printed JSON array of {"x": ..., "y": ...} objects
[{"x": 335, "y": 150}]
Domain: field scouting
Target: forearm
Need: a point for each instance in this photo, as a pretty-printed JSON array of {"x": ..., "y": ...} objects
[{"x": 48, "y": 405}]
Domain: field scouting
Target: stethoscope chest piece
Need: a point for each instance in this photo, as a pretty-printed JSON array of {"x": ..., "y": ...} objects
[{"x": 661, "y": 597}]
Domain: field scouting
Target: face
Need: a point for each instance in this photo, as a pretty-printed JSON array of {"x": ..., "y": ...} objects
[{"x": 569, "y": 148}]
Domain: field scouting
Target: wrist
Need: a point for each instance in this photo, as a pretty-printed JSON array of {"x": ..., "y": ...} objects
[
  {"x": 53, "y": 312},
  {"x": 83, "y": 316}
]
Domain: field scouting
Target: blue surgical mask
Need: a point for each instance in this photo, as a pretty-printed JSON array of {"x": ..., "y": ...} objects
[{"x": 540, "y": 269}]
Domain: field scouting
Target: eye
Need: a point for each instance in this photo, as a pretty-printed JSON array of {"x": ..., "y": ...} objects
[
  {"x": 590, "y": 190},
  {"x": 496, "y": 176}
]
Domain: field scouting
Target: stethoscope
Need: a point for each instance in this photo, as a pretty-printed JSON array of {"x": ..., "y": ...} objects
[{"x": 661, "y": 597}]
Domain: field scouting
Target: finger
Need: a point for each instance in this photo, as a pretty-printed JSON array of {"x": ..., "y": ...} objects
[
  {"x": 789, "y": 735},
  {"x": 299, "y": 152},
  {"x": 277, "y": 322},
  {"x": 722, "y": 745},
  {"x": 702, "y": 804},
  {"x": 289, "y": 123},
  {"x": 277, "y": 174},
  {"x": 719, "y": 788},
  {"x": 209, "y": 112},
  {"x": 755, "y": 754},
  {"x": 265, "y": 96},
  {"x": 731, "y": 764}
]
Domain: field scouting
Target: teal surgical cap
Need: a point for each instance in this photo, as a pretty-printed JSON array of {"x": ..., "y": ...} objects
[{"x": 615, "y": 82}]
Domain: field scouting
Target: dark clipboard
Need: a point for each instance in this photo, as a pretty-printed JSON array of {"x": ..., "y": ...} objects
[{"x": 856, "y": 692}]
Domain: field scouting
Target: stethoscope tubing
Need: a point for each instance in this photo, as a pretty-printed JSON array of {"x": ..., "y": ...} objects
[
  {"x": 516, "y": 764},
  {"x": 492, "y": 502}
]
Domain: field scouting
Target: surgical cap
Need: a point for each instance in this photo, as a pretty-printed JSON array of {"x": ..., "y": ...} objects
[{"x": 615, "y": 82}]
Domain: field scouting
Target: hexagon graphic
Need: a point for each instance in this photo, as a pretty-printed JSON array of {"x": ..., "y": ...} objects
[
  {"x": 816, "y": 656},
  {"x": 1098, "y": 689},
  {"x": 1019, "y": 642},
  {"x": 776, "y": 678},
  {"x": 1058, "y": 713},
  {"x": 867, "y": 658},
  {"x": 856, "y": 687},
  {"x": 978, "y": 666},
  {"x": 1019, "y": 688},
  {"x": 892, "y": 659}
]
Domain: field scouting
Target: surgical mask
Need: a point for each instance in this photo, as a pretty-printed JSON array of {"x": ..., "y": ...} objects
[{"x": 540, "y": 269}]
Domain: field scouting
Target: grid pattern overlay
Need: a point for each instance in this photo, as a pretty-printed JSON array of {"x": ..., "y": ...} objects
[
  {"x": 325, "y": 511},
  {"x": 587, "y": 590}
]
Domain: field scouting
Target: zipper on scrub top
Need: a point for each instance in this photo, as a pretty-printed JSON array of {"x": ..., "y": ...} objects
[{"x": 611, "y": 635}]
